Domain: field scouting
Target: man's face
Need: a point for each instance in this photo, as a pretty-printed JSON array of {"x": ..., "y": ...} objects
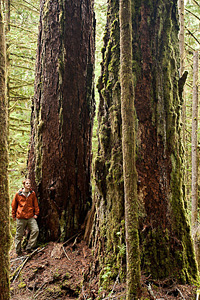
[{"x": 27, "y": 184}]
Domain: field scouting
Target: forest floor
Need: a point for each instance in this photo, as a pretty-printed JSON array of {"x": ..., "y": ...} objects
[{"x": 63, "y": 271}]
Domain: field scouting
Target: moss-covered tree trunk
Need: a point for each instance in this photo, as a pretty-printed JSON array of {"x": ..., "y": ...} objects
[
  {"x": 129, "y": 153},
  {"x": 165, "y": 238},
  {"x": 194, "y": 208},
  {"x": 62, "y": 117},
  {"x": 4, "y": 196}
]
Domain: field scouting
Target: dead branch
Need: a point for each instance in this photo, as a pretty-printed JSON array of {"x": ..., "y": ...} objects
[
  {"x": 150, "y": 291},
  {"x": 71, "y": 238},
  {"x": 65, "y": 252},
  {"x": 194, "y": 37},
  {"x": 39, "y": 291},
  {"x": 19, "y": 269},
  {"x": 196, "y": 3},
  {"x": 114, "y": 297},
  {"x": 192, "y": 14},
  {"x": 180, "y": 293},
  {"x": 116, "y": 281}
]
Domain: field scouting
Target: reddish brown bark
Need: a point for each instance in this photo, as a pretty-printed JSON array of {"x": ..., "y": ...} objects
[
  {"x": 153, "y": 163},
  {"x": 60, "y": 154}
]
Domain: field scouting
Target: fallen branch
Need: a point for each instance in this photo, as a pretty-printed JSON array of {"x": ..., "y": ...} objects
[
  {"x": 114, "y": 297},
  {"x": 72, "y": 237},
  {"x": 180, "y": 293},
  {"x": 116, "y": 281},
  {"x": 150, "y": 291},
  {"x": 18, "y": 271},
  {"x": 84, "y": 296},
  {"x": 39, "y": 291},
  {"x": 18, "y": 258},
  {"x": 197, "y": 296},
  {"x": 65, "y": 252}
]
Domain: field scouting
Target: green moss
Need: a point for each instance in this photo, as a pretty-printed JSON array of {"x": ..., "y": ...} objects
[
  {"x": 22, "y": 285},
  {"x": 40, "y": 127},
  {"x": 56, "y": 275},
  {"x": 55, "y": 289}
]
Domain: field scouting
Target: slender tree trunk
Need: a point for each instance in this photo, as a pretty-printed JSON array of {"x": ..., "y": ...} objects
[
  {"x": 129, "y": 153},
  {"x": 4, "y": 196},
  {"x": 182, "y": 74},
  {"x": 181, "y": 8},
  {"x": 181, "y": 35},
  {"x": 7, "y": 15},
  {"x": 60, "y": 155},
  {"x": 194, "y": 215}
]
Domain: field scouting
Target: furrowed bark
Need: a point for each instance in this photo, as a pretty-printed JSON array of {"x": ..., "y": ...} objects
[{"x": 62, "y": 118}]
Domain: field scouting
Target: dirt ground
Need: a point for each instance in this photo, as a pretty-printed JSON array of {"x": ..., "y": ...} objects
[{"x": 63, "y": 271}]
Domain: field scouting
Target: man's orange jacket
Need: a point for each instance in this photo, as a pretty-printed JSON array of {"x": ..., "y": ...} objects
[{"x": 24, "y": 208}]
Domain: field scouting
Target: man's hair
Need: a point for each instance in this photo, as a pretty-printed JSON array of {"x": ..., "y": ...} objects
[{"x": 24, "y": 181}]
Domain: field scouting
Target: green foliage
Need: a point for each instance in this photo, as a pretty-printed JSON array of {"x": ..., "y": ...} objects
[
  {"x": 21, "y": 51},
  {"x": 100, "y": 7},
  {"x": 192, "y": 42}
]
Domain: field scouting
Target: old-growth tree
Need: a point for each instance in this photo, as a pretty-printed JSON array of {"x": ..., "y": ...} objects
[
  {"x": 129, "y": 153},
  {"x": 165, "y": 239},
  {"x": 60, "y": 153},
  {"x": 4, "y": 196}
]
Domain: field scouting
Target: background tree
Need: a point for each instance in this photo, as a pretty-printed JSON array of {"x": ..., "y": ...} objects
[
  {"x": 63, "y": 107},
  {"x": 192, "y": 42},
  {"x": 164, "y": 229},
  {"x": 4, "y": 195},
  {"x": 21, "y": 42}
]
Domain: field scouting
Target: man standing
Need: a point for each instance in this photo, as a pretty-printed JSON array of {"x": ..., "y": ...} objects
[{"x": 26, "y": 210}]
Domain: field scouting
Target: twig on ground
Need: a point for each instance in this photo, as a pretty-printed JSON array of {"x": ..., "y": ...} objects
[
  {"x": 150, "y": 291},
  {"x": 197, "y": 296},
  {"x": 71, "y": 238},
  {"x": 18, "y": 258},
  {"x": 75, "y": 241},
  {"x": 84, "y": 296},
  {"x": 116, "y": 281},
  {"x": 180, "y": 293},
  {"x": 39, "y": 291},
  {"x": 114, "y": 297},
  {"x": 15, "y": 276},
  {"x": 65, "y": 252}
]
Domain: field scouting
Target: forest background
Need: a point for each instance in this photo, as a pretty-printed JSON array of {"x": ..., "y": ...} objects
[
  {"x": 22, "y": 45},
  {"x": 21, "y": 39}
]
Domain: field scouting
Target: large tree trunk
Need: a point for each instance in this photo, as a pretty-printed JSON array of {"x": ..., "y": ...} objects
[
  {"x": 63, "y": 108},
  {"x": 4, "y": 196},
  {"x": 165, "y": 237},
  {"x": 129, "y": 154}
]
